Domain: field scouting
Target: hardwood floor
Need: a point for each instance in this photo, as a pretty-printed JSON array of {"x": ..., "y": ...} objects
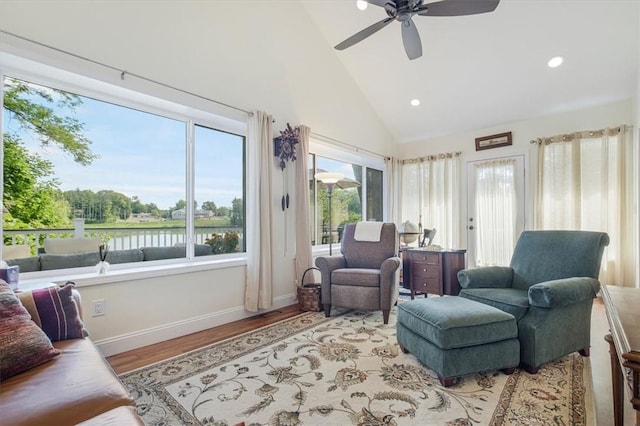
[
  {"x": 599, "y": 359},
  {"x": 140, "y": 357}
]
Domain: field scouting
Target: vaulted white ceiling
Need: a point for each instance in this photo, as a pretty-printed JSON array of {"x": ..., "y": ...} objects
[{"x": 486, "y": 70}]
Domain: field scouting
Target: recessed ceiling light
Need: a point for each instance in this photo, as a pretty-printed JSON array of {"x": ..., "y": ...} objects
[
  {"x": 555, "y": 62},
  {"x": 361, "y": 4},
  {"x": 415, "y": 102}
]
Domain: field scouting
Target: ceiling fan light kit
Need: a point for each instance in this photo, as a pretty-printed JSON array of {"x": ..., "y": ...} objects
[{"x": 403, "y": 10}]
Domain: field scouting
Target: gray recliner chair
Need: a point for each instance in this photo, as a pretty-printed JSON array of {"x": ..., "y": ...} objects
[
  {"x": 549, "y": 287},
  {"x": 365, "y": 275}
]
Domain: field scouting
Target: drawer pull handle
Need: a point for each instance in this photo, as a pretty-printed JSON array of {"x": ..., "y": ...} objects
[{"x": 424, "y": 270}]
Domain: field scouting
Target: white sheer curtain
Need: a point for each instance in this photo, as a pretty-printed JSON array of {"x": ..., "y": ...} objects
[
  {"x": 259, "y": 281},
  {"x": 430, "y": 193},
  {"x": 393, "y": 184},
  {"x": 585, "y": 182},
  {"x": 304, "y": 258},
  {"x": 496, "y": 209}
]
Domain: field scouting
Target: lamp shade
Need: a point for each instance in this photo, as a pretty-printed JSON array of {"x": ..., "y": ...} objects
[{"x": 328, "y": 177}]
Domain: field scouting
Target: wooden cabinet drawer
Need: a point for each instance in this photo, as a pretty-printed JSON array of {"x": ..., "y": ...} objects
[
  {"x": 429, "y": 285},
  {"x": 424, "y": 269},
  {"x": 430, "y": 258}
]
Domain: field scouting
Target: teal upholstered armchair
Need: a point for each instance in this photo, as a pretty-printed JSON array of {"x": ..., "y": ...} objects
[
  {"x": 365, "y": 275},
  {"x": 549, "y": 287}
]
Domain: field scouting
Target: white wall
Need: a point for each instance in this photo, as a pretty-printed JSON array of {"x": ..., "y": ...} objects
[
  {"x": 523, "y": 132},
  {"x": 636, "y": 114},
  {"x": 247, "y": 54}
]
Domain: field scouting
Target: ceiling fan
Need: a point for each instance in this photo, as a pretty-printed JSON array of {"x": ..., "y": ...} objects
[{"x": 403, "y": 11}]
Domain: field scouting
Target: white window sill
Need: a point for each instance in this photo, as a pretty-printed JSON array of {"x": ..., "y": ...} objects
[
  {"x": 83, "y": 277},
  {"x": 323, "y": 250}
]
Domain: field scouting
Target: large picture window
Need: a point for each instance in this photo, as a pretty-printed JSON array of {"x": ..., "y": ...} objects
[
  {"x": 151, "y": 184},
  {"x": 356, "y": 197}
]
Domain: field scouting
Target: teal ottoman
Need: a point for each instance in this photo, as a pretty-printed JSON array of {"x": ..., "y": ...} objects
[{"x": 455, "y": 336}]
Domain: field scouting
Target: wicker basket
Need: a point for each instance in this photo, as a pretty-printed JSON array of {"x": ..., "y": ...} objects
[{"x": 309, "y": 297}]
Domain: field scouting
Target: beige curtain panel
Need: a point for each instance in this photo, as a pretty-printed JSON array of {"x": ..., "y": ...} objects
[
  {"x": 304, "y": 258},
  {"x": 585, "y": 182},
  {"x": 259, "y": 281}
]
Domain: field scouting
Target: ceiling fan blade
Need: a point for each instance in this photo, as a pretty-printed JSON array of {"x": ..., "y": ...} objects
[
  {"x": 457, "y": 7},
  {"x": 361, "y": 35},
  {"x": 380, "y": 3},
  {"x": 411, "y": 39}
]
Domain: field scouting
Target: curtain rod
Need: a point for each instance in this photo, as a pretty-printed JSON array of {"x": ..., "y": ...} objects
[
  {"x": 123, "y": 72},
  {"x": 432, "y": 157},
  {"x": 347, "y": 145},
  {"x": 610, "y": 131}
]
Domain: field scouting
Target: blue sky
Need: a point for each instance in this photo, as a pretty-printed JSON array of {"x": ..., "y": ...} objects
[{"x": 143, "y": 155}]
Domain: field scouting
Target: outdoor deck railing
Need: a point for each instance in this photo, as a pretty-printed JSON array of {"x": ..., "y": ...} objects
[{"x": 118, "y": 238}]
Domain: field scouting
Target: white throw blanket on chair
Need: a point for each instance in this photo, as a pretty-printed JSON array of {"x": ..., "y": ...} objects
[{"x": 368, "y": 231}]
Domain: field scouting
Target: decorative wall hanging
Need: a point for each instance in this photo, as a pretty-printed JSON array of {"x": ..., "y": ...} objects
[
  {"x": 285, "y": 150},
  {"x": 493, "y": 141},
  {"x": 285, "y": 145}
]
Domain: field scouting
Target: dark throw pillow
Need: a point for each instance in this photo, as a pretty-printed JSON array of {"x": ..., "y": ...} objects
[
  {"x": 55, "y": 311},
  {"x": 23, "y": 345}
]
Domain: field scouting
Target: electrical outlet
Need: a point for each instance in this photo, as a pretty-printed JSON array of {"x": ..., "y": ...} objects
[{"x": 98, "y": 308}]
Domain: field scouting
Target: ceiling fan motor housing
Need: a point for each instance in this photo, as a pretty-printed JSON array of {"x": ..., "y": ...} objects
[{"x": 403, "y": 10}]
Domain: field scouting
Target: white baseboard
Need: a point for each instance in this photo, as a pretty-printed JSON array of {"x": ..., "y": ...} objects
[{"x": 138, "y": 339}]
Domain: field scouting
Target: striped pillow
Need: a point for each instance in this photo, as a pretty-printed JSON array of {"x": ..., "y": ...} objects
[
  {"x": 55, "y": 311},
  {"x": 22, "y": 344}
]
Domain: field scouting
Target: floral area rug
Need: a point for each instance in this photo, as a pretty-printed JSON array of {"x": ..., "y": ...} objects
[{"x": 346, "y": 370}]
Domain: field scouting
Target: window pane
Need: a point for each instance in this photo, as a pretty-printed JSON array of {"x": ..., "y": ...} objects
[
  {"x": 79, "y": 167},
  {"x": 219, "y": 190},
  {"x": 374, "y": 194},
  {"x": 313, "y": 219},
  {"x": 346, "y": 204}
]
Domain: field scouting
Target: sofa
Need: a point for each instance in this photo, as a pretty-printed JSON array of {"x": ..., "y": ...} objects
[
  {"x": 50, "y": 372},
  {"x": 48, "y": 261},
  {"x": 548, "y": 287}
]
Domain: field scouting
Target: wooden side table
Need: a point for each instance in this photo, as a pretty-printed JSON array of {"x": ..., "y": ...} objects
[
  {"x": 432, "y": 271},
  {"x": 623, "y": 315}
]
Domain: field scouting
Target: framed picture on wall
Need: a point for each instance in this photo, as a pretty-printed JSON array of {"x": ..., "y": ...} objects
[{"x": 493, "y": 141}]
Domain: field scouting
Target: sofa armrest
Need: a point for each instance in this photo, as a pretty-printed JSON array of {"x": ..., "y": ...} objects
[
  {"x": 327, "y": 264},
  {"x": 486, "y": 277},
  {"x": 390, "y": 266},
  {"x": 564, "y": 292}
]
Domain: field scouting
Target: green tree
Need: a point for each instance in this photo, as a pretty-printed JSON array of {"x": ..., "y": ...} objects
[
  {"x": 137, "y": 206},
  {"x": 237, "y": 212},
  {"x": 115, "y": 205},
  {"x": 31, "y": 193},
  {"x": 31, "y": 105},
  {"x": 99, "y": 207},
  {"x": 223, "y": 212},
  {"x": 32, "y": 199},
  {"x": 211, "y": 206},
  {"x": 153, "y": 209}
]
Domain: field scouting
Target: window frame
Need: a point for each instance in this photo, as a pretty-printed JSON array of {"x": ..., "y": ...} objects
[
  {"x": 329, "y": 150},
  {"x": 178, "y": 106}
]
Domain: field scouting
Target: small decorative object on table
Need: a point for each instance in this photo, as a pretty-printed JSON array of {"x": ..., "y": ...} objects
[
  {"x": 309, "y": 295},
  {"x": 103, "y": 266},
  {"x": 10, "y": 274}
]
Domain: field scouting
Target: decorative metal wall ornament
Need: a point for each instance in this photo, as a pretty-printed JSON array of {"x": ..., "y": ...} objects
[
  {"x": 285, "y": 150},
  {"x": 285, "y": 145}
]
